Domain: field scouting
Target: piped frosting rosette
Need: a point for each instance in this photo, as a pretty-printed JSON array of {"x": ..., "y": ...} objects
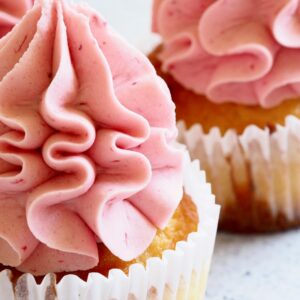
[
  {"x": 240, "y": 51},
  {"x": 11, "y": 11},
  {"x": 86, "y": 128}
]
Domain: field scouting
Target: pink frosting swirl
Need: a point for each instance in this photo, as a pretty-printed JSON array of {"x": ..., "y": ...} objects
[
  {"x": 240, "y": 51},
  {"x": 85, "y": 145},
  {"x": 11, "y": 11}
]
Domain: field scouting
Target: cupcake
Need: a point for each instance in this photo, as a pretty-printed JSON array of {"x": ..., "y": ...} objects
[
  {"x": 232, "y": 68},
  {"x": 96, "y": 202},
  {"x": 11, "y": 12}
]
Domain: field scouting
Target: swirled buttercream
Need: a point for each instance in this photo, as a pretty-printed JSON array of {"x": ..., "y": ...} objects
[
  {"x": 85, "y": 145},
  {"x": 241, "y": 51}
]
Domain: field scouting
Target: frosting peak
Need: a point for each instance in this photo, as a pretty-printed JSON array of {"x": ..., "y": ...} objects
[
  {"x": 85, "y": 154},
  {"x": 11, "y": 11},
  {"x": 238, "y": 51}
]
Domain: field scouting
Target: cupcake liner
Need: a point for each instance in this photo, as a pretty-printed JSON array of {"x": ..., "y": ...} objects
[
  {"x": 254, "y": 175},
  {"x": 180, "y": 274}
]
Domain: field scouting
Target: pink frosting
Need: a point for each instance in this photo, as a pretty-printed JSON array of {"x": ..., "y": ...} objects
[
  {"x": 240, "y": 51},
  {"x": 85, "y": 146},
  {"x": 11, "y": 11}
]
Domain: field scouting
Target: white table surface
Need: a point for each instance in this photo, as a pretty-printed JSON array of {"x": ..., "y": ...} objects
[
  {"x": 244, "y": 267},
  {"x": 256, "y": 267}
]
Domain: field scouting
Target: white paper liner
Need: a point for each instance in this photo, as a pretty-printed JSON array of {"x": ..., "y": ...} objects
[
  {"x": 180, "y": 274},
  {"x": 259, "y": 162}
]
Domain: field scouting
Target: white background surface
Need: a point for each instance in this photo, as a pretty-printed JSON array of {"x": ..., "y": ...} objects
[{"x": 244, "y": 267}]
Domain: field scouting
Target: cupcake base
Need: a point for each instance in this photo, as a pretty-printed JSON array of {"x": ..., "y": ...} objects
[
  {"x": 255, "y": 175},
  {"x": 26, "y": 289}
]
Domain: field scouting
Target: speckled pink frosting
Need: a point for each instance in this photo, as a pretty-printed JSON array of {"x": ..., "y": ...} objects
[
  {"x": 11, "y": 11},
  {"x": 85, "y": 144},
  {"x": 241, "y": 51}
]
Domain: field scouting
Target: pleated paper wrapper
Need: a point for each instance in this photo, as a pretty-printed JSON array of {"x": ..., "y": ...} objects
[
  {"x": 180, "y": 274},
  {"x": 255, "y": 175}
]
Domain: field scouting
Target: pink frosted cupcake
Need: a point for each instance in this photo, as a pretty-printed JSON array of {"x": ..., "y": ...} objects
[
  {"x": 234, "y": 74},
  {"x": 93, "y": 191}
]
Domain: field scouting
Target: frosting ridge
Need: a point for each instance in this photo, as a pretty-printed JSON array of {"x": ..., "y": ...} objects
[
  {"x": 78, "y": 149},
  {"x": 232, "y": 51},
  {"x": 11, "y": 12}
]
